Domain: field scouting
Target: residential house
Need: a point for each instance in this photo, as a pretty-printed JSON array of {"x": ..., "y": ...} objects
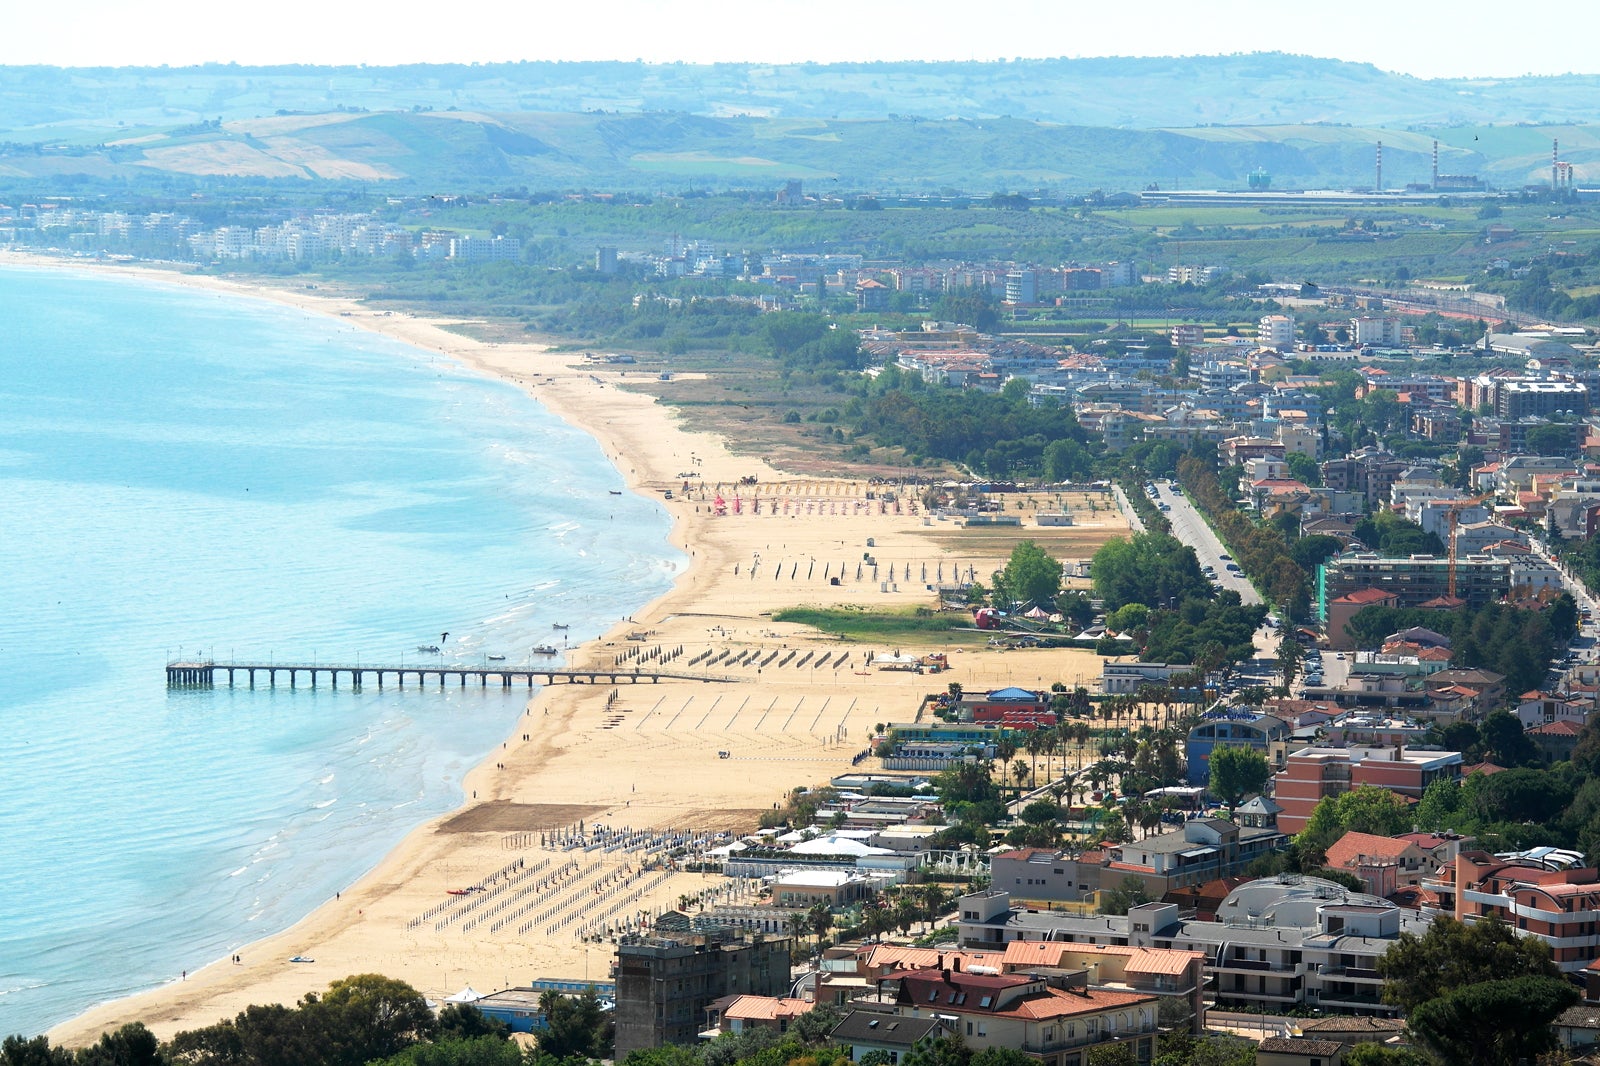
[
  {"x": 1051, "y": 1020},
  {"x": 864, "y": 1032}
]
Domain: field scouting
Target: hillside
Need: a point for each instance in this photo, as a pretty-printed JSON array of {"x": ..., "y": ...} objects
[
  {"x": 53, "y": 104},
  {"x": 657, "y": 151},
  {"x": 1061, "y": 126}
]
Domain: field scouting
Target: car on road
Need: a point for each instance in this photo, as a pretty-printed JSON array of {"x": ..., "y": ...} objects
[
  {"x": 1224, "y": 557},
  {"x": 1233, "y": 568}
]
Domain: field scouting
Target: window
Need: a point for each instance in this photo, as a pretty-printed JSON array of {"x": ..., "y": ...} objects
[
  {"x": 985, "y": 1001},
  {"x": 982, "y": 1031}
]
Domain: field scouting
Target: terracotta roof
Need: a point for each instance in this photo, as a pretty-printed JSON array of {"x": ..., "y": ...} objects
[
  {"x": 1059, "y": 1003},
  {"x": 1481, "y": 768},
  {"x": 1365, "y": 596},
  {"x": 1352, "y": 847},
  {"x": 766, "y": 1008},
  {"x": 1565, "y": 727}
]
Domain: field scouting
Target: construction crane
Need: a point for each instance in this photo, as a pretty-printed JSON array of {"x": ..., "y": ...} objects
[{"x": 1453, "y": 515}]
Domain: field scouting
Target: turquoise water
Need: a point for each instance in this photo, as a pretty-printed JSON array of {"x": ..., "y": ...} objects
[{"x": 183, "y": 472}]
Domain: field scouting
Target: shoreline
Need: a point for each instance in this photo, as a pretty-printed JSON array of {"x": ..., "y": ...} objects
[{"x": 567, "y": 768}]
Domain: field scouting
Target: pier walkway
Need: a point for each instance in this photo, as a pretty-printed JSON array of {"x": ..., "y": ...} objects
[{"x": 207, "y": 674}]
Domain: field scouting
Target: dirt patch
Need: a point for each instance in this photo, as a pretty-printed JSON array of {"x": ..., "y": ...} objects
[
  {"x": 506, "y": 817},
  {"x": 737, "y": 821}
]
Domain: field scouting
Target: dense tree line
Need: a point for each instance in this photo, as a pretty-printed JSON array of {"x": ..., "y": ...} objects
[
  {"x": 998, "y": 434},
  {"x": 1261, "y": 548},
  {"x": 363, "y": 1020},
  {"x": 1518, "y": 642},
  {"x": 1152, "y": 586}
]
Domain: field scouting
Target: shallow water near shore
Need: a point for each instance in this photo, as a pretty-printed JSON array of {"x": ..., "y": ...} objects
[{"x": 188, "y": 474}]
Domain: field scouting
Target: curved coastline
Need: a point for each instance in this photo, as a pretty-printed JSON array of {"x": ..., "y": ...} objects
[
  {"x": 507, "y": 363},
  {"x": 786, "y": 728}
]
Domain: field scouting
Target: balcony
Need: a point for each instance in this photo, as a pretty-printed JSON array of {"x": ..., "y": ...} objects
[
  {"x": 1243, "y": 965},
  {"x": 1352, "y": 973}
]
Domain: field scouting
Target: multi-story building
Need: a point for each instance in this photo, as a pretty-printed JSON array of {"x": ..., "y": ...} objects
[
  {"x": 486, "y": 249},
  {"x": 1519, "y": 399},
  {"x": 1369, "y": 472},
  {"x": 1022, "y": 287},
  {"x": 1277, "y": 942},
  {"x": 1125, "y": 676},
  {"x": 1224, "y": 375},
  {"x": 1188, "y": 334},
  {"x": 664, "y": 985},
  {"x": 1413, "y": 579},
  {"x": 1276, "y": 331},
  {"x": 1312, "y": 774},
  {"x": 1556, "y": 905},
  {"x": 1375, "y": 331}
]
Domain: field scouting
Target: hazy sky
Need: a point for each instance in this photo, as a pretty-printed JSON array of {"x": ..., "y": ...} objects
[{"x": 1463, "y": 38}]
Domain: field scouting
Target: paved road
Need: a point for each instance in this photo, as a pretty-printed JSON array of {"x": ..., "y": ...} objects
[
  {"x": 1135, "y": 523},
  {"x": 1189, "y": 526}
]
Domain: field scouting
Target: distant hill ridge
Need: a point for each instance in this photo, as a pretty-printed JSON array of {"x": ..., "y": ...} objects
[
  {"x": 1136, "y": 93},
  {"x": 1059, "y": 125}
]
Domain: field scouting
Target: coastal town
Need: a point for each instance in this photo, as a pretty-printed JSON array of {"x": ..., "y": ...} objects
[{"x": 1132, "y": 628}]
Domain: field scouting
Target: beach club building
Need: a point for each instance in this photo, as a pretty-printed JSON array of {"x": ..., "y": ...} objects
[{"x": 1010, "y": 708}]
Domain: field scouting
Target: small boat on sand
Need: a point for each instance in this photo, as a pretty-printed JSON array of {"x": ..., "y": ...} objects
[
  {"x": 616, "y": 492},
  {"x": 301, "y": 958},
  {"x": 497, "y": 658}
]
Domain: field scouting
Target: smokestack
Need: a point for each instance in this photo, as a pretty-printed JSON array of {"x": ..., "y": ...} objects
[
  {"x": 1380, "y": 166},
  {"x": 1555, "y": 164},
  {"x": 1436, "y": 163}
]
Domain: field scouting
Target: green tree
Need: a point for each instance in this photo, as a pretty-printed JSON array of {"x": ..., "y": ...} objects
[
  {"x": 1130, "y": 893},
  {"x": 575, "y": 1025},
  {"x": 1452, "y": 955},
  {"x": 369, "y": 1016},
  {"x": 131, "y": 1045},
  {"x": 1370, "y": 1054},
  {"x": 1303, "y": 468},
  {"x": 1493, "y": 1023},
  {"x": 37, "y": 1051},
  {"x": 463, "y": 1021},
  {"x": 1556, "y": 438},
  {"x": 1041, "y": 812},
  {"x": 1030, "y": 575},
  {"x": 1237, "y": 771},
  {"x": 1112, "y": 1055},
  {"x": 460, "y": 1051}
]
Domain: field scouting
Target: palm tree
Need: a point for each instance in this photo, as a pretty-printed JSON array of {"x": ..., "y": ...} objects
[
  {"x": 1019, "y": 770},
  {"x": 1035, "y": 744},
  {"x": 819, "y": 919}
]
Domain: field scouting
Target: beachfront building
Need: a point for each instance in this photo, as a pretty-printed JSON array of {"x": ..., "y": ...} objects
[{"x": 665, "y": 984}]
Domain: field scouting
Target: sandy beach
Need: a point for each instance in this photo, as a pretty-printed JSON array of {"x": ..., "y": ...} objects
[{"x": 635, "y": 755}]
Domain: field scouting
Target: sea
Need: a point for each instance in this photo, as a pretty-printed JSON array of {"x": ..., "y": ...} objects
[{"x": 186, "y": 474}]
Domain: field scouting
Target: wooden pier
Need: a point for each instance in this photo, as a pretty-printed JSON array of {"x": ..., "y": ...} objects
[{"x": 207, "y": 674}]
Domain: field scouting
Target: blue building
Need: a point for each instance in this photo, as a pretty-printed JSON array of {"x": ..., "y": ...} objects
[{"x": 1230, "y": 728}]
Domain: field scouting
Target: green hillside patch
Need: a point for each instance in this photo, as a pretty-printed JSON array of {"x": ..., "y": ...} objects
[{"x": 857, "y": 623}]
